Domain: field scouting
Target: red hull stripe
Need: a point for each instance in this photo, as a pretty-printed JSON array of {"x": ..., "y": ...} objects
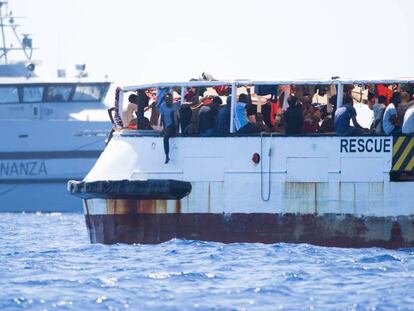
[{"x": 325, "y": 230}]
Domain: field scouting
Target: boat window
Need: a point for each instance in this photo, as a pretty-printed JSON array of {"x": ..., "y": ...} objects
[
  {"x": 58, "y": 93},
  {"x": 9, "y": 94},
  {"x": 33, "y": 94},
  {"x": 88, "y": 92}
]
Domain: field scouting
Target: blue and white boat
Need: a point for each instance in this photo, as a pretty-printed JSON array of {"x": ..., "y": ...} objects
[{"x": 50, "y": 130}]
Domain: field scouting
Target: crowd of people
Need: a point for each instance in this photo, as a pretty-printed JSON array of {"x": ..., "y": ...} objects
[{"x": 207, "y": 112}]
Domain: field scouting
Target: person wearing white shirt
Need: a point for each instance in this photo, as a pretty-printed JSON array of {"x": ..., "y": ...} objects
[
  {"x": 390, "y": 122},
  {"x": 408, "y": 125}
]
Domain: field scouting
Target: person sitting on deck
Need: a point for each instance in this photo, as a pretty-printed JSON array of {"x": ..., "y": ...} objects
[
  {"x": 311, "y": 115},
  {"x": 293, "y": 117},
  {"x": 378, "y": 107},
  {"x": 168, "y": 109},
  {"x": 390, "y": 123},
  {"x": 240, "y": 117},
  {"x": 191, "y": 99},
  {"x": 408, "y": 124},
  {"x": 403, "y": 106},
  {"x": 194, "y": 106},
  {"x": 223, "y": 119},
  {"x": 343, "y": 116},
  {"x": 327, "y": 125},
  {"x": 207, "y": 117},
  {"x": 241, "y": 121}
]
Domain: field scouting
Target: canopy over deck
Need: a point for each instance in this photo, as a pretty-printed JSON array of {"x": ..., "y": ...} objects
[{"x": 278, "y": 82}]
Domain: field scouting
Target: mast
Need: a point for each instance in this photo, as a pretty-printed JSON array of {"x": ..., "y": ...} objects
[
  {"x": 24, "y": 42},
  {"x": 3, "y": 4}
]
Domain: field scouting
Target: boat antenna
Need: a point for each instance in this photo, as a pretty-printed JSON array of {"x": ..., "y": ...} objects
[{"x": 7, "y": 20}]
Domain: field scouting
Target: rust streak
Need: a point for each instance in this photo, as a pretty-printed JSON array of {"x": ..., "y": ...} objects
[
  {"x": 209, "y": 199},
  {"x": 178, "y": 206}
]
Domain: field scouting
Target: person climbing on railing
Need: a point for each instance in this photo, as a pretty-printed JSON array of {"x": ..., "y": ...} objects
[
  {"x": 116, "y": 119},
  {"x": 168, "y": 109},
  {"x": 118, "y": 124}
]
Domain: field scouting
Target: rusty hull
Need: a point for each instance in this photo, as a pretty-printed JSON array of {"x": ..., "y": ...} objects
[{"x": 339, "y": 230}]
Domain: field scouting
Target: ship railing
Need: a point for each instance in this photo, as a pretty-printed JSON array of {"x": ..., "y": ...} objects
[{"x": 234, "y": 84}]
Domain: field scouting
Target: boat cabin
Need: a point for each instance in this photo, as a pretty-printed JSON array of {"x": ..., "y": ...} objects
[{"x": 30, "y": 100}]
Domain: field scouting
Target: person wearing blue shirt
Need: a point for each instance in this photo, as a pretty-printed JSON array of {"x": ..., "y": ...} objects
[
  {"x": 223, "y": 119},
  {"x": 343, "y": 116},
  {"x": 168, "y": 109},
  {"x": 245, "y": 111},
  {"x": 240, "y": 116}
]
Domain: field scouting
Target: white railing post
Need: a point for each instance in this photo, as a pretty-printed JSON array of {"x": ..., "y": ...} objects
[
  {"x": 183, "y": 89},
  {"x": 233, "y": 105},
  {"x": 340, "y": 95}
]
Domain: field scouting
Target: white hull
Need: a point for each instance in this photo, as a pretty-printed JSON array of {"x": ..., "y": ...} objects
[
  {"x": 322, "y": 189},
  {"x": 308, "y": 174},
  {"x": 38, "y": 157}
]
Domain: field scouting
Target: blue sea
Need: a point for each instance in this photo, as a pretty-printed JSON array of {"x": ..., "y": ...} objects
[{"x": 48, "y": 263}]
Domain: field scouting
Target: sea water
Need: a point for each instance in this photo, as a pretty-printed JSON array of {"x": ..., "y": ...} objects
[{"x": 47, "y": 262}]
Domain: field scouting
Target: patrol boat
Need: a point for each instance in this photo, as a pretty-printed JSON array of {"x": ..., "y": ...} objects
[
  {"x": 51, "y": 130},
  {"x": 320, "y": 189}
]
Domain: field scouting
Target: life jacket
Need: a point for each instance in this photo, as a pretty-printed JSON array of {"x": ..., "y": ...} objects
[
  {"x": 222, "y": 90},
  {"x": 383, "y": 90}
]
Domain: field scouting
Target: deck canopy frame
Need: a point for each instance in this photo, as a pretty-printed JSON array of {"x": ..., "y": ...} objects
[{"x": 234, "y": 84}]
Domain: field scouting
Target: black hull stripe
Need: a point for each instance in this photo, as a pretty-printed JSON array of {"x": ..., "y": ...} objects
[{"x": 35, "y": 155}]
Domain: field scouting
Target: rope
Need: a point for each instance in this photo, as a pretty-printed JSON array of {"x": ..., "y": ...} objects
[{"x": 269, "y": 189}]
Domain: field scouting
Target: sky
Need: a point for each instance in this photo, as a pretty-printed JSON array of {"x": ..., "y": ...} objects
[{"x": 139, "y": 41}]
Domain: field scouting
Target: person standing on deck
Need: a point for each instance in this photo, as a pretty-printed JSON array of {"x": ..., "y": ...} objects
[{"x": 167, "y": 109}]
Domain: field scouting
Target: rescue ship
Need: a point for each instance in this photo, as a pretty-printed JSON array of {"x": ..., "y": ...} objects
[{"x": 323, "y": 189}]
